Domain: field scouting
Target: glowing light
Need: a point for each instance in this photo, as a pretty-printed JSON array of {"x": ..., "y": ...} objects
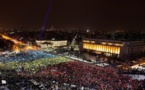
[
  {"x": 102, "y": 48},
  {"x": 110, "y": 43},
  {"x": 88, "y": 30},
  {"x": 11, "y": 39},
  {"x": 103, "y": 42},
  {"x": 17, "y": 44},
  {"x": 30, "y": 48},
  {"x": 15, "y": 48},
  {"x": 87, "y": 41},
  {"x": 92, "y": 41}
]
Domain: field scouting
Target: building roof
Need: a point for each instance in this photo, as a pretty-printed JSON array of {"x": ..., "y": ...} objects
[{"x": 111, "y": 40}]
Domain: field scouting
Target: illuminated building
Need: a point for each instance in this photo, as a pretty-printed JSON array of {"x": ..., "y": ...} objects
[
  {"x": 51, "y": 43},
  {"x": 124, "y": 50}
]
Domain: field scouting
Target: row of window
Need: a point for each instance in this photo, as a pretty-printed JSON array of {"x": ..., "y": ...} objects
[{"x": 102, "y": 48}]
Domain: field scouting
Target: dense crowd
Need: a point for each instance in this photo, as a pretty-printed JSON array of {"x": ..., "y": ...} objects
[
  {"x": 25, "y": 55},
  {"x": 61, "y": 73},
  {"x": 86, "y": 75}
]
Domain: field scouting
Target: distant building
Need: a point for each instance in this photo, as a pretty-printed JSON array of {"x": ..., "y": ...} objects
[
  {"x": 124, "y": 50},
  {"x": 51, "y": 43}
]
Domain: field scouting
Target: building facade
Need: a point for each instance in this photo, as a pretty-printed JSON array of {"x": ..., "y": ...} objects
[
  {"x": 51, "y": 43},
  {"x": 124, "y": 50}
]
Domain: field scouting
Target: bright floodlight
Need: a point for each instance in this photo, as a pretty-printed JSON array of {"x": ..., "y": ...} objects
[{"x": 3, "y": 81}]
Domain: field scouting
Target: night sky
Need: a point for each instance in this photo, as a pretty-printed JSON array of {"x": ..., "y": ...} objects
[{"x": 85, "y": 14}]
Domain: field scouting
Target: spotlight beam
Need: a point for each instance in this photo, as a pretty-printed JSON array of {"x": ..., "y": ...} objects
[{"x": 45, "y": 20}]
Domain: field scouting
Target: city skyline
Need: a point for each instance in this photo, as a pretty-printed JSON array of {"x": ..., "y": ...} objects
[{"x": 95, "y": 14}]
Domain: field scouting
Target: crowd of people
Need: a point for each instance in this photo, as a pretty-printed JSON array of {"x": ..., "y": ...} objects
[
  {"x": 59, "y": 73},
  {"x": 25, "y": 55},
  {"x": 86, "y": 75}
]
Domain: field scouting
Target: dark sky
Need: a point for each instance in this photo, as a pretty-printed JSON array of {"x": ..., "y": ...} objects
[{"x": 87, "y": 14}]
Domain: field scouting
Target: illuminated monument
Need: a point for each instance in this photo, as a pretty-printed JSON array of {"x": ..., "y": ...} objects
[{"x": 124, "y": 50}]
